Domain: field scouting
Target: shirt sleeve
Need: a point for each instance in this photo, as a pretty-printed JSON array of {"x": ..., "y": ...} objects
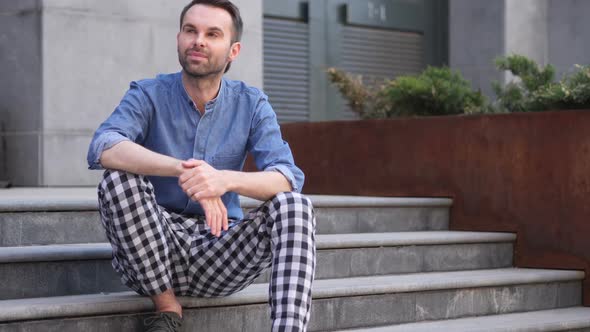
[
  {"x": 129, "y": 122},
  {"x": 270, "y": 151}
]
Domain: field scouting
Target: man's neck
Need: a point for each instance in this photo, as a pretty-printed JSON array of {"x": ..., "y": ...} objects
[{"x": 201, "y": 90}]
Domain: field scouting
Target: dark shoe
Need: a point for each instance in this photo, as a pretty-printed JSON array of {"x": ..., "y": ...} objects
[{"x": 163, "y": 322}]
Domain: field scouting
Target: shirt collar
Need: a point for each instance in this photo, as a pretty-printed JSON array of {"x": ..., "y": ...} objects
[{"x": 188, "y": 99}]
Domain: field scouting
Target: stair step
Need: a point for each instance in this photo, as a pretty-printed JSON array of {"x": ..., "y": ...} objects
[
  {"x": 85, "y": 199},
  {"x": 569, "y": 319},
  {"x": 338, "y": 303},
  {"x": 61, "y": 216},
  {"x": 85, "y": 268}
]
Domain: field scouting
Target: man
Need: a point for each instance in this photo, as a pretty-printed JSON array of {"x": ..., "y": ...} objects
[{"x": 173, "y": 151}]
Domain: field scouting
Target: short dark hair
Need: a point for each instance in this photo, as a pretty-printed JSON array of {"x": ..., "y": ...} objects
[{"x": 228, "y": 6}]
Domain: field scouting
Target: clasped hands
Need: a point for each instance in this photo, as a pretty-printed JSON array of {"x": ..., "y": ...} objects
[{"x": 204, "y": 184}]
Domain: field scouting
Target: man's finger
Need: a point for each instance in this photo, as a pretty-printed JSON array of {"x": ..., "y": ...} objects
[
  {"x": 215, "y": 221},
  {"x": 185, "y": 176},
  {"x": 189, "y": 184},
  {"x": 207, "y": 214},
  {"x": 201, "y": 194},
  {"x": 192, "y": 163},
  {"x": 212, "y": 216},
  {"x": 224, "y": 214}
]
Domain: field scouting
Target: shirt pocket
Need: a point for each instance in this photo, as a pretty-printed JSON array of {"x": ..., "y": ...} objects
[{"x": 227, "y": 161}]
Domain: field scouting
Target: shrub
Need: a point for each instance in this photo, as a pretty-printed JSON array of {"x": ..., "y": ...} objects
[
  {"x": 534, "y": 88},
  {"x": 436, "y": 91},
  {"x": 361, "y": 97},
  {"x": 442, "y": 91}
]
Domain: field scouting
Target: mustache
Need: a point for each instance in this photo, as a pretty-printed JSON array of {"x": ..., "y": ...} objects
[{"x": 199, "y": 50}]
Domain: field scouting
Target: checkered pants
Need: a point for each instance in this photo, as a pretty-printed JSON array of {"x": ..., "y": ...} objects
[{"x": 155, "y": 250}]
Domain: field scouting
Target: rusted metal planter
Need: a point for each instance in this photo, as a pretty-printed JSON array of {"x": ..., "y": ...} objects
[{"x": 527, "y": 173}]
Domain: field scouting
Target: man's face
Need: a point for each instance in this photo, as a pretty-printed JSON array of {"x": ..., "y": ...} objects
[{"x": 205, "y": 41}]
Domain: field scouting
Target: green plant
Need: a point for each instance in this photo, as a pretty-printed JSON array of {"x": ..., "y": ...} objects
[
  {"x": 442, "y": 91},
  {"x": 518, "y": 95},
  {"x": 534, "y": 88},
  {"x": 572, "y": 92},
  {"x": 436, "y": 91},
  {"x": 360, "y": 96}
]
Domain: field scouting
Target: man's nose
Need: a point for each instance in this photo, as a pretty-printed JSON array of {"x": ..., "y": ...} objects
[{"x": 199, "y": 40}]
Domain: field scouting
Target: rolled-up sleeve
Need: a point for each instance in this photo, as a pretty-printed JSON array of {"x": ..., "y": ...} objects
[
  {"x": 270, "y": 151},
  {"x": 129, "y": 122}
]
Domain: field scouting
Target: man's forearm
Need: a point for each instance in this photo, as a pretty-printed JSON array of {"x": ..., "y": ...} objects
[
  {"x": 134, "y": 158},
  {"x": 257, "y": 185}
]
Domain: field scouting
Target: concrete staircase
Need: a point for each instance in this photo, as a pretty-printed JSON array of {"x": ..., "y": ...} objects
[{"x": 383, "y": 264}]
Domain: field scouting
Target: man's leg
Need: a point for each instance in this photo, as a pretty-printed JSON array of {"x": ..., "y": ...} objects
[
  {"x": 281, "y": 233},
  {"x": 293, "y": 267},
  {"x": 140, "y": 236}
]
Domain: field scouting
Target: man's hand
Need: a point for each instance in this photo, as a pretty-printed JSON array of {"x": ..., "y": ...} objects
[
  {"x": 204, "y": 184},
  {"x": 215, "y": 214},
  {"x": 200, "y": 180}
]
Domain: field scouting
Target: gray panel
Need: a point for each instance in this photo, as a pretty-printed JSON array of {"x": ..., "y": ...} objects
[
  {"x": 20, "y": 71},
  {"x": 286, "y": 68},
  {"x": 388, "y": 14},
  {"x": 295, "y": 9},
  {"x": 379, "y": 54}
]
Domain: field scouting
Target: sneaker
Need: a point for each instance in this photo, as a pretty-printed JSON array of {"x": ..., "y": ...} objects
[{"x": 163, "y": 322}]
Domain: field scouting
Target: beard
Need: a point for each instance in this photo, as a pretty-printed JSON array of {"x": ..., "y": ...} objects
[{"x": 202, "y": 70}]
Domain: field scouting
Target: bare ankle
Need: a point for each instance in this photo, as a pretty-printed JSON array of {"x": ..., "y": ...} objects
[{"x": 167, "y": 302}]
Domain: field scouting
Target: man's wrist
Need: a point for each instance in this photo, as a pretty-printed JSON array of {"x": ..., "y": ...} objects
[
  {"x": 229, "y": 178},
  {"x": 178, "y": 168}
]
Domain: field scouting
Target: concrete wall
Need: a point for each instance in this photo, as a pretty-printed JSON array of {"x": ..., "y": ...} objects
[
  {"x": 526, "y": 29},
  {"x": 476, "y": 37},
  {"x": 70, "y": 61},
  {"x": 569, "y": 40},
  {"x": 20, "y": 91},
  {"x": 548, "y": 31}
]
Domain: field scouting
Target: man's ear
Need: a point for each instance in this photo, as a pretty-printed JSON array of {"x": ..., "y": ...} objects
[{"x": 234, "y": 51}]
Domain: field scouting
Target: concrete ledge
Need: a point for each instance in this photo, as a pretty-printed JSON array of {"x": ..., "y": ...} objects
[
  {"x": 536, "y": 321},
  {"x": 59, "y": 252},
  {"x": 127, "y": 302},
  {"x": 89, "y": 251},
  {"x": 365, "y": 201},
  {"x": 85, "y": 199},
  {"x": 336, "y": 241},
  {"x": 48, "y": 199}
]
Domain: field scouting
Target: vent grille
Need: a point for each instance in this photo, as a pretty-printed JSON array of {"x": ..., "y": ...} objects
[
  {"x": 286, "y": 68},
  {"x": 377, "y": 54}
]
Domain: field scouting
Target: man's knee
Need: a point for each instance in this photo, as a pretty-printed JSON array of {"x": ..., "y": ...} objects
[
  {"x": 296, "y": 207},
  {"x": 117, "y": 187},
  {"x": 292, "y": 199}
]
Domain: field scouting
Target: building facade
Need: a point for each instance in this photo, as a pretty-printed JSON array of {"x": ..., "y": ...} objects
[{"x": 65, "y": 64}]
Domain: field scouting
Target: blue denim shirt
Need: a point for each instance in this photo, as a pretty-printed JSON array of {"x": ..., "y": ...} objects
[{"x": 159, "y": 115}]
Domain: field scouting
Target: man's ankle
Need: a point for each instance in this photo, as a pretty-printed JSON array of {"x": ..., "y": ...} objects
[{"x": 167, "y": 302}]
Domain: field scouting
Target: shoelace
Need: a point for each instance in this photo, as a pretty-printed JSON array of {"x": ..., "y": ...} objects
[{"x": 171, "y": 324}]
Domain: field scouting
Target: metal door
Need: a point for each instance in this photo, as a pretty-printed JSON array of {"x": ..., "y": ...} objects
[{"x": 375, "y": 38}]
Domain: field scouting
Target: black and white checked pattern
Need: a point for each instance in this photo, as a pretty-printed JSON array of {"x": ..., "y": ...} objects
[{"x": 155, "y": 250}]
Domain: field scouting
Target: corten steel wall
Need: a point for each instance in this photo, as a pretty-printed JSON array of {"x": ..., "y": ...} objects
[{"x": 525, "y": 173}]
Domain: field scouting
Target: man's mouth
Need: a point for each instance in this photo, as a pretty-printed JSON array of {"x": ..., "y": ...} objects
[{"x": 196, "y": 54}]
